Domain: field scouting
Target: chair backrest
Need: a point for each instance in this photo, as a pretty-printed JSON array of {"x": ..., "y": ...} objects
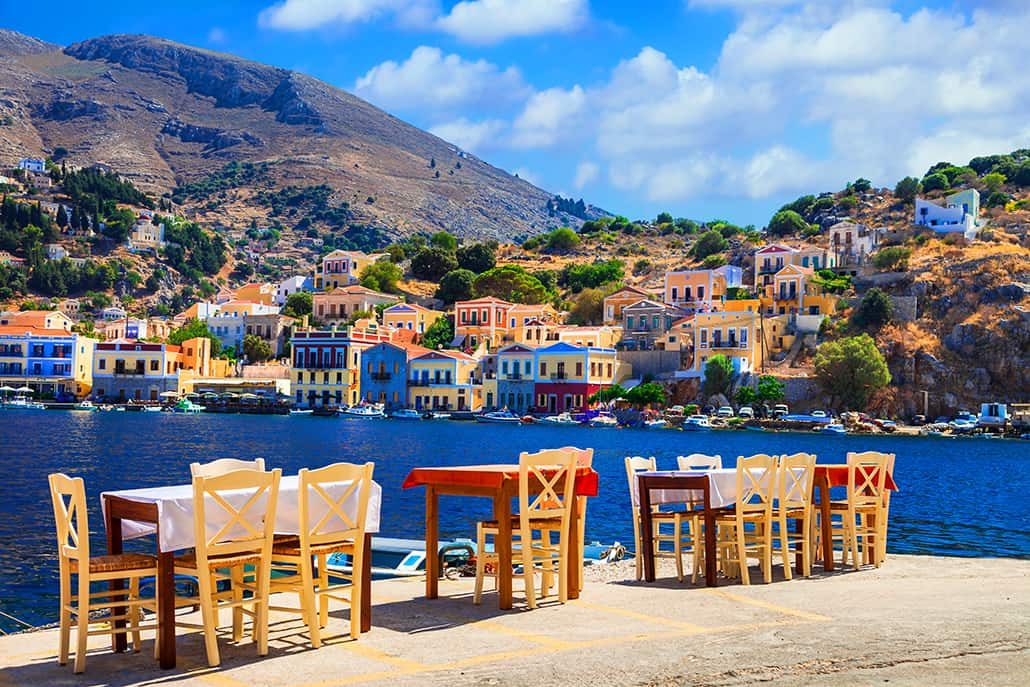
[
  {"x": 584, "y": 456},
  {"x": 699, "y": 461},
  {"x": 795, "y": 480},
  {"x": 69, "y": 498},
  {"x": 756, "y": 483},
  {"x": 224, "y": 465},
  {"x": 867, "y": 475},
  {"x": 235, "y": 512},
  {"x": 635, "y": 464},
  {"x": 554, "y": 471},
  {"x": 333, "y": 503}
]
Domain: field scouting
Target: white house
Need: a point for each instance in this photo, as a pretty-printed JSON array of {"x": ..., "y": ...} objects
[
  {"x": 852, "y": 243},
  {"x": 55, "y": 251},
  {"x": 33, "y": 165},
  {"x": 959, "y": 214},
  {"x": 112, "y": 313},
  {"x": 146, "y": 235},
  {"x": 292, "y": 285}
]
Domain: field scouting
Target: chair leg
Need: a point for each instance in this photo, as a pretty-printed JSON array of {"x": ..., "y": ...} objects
[
  {"x": 355, "y": 590},
  {"x": 698, "y": 548},
  {"x": 82, "y": 620},
  {"x": 785, "y": 547},
  {"x": 851, "y": 531},
  {"x": 236, "y": 579},
  {"x": 208, "y": 617},
  {"x": 306, "y": 594},
  {"x": 477, "y": 595},
  {"x": 638, "y": 546},
  {"x": 261, "y": 601},
  {"x": 806, "y": 548},
  {"x": 767, "y": 552},
  {"x": 745, "y": 576},
  {"x": 527, "y": 568},
  {"x": 563, "y": 567},
  {"x": 134, "y": 614},
  {"x": 323, "y": 583},
  {"x": 66, "y": 616},
  {"x": 677, "y": 547}
]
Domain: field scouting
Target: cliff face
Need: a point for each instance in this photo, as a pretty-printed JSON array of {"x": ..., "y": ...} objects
[{"x": 165, "y": 114}]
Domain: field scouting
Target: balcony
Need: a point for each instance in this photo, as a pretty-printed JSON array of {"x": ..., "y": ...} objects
[
  {"x": 727, "y": 344},
  {"x": 425, "y": 381},
  {"x": 12, "y": 351},
  {"x": 559, "y": 376},
  {"x": 513, "y": 376},
  {"x": 122, "y": 372},
  {"x": 382, "y": 376}
]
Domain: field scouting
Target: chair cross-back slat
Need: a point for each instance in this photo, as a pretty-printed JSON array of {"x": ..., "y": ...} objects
[
  {"x": 358, "y": 485},
  {"x": 335, "y": 507},
  {"x": 796, "y": 480},
  {"x": 549, "y": 500},
  {"x": 258, "y": 487},
  {"x": 237, "y": 517},
  {"x": 756, "y": 478},
  {"x": 867, "y": 475},
  {"x": 69, "y": 499}
]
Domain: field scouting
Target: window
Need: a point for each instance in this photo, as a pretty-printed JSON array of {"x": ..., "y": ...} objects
[
  {"x": 629, "y": 322},
  {"x": 686, "y": 293},
  {"x": 543, "y": 370},
  {"x": 675, "y": 294},
  {"x": 529, "y": 369},
  {"x": 700, "y": 293},
  {"x": 339, "y": 378},
  {"x": 743, "y": 337},
  {"x": 102, "y": 365},
  {"x": 656, "y": 322},
  {"x": 704, "y": 338},
  {"x": 609, "y": 369},
  {"x": 154, "y": 365},
  {"x": 579, "y": 369}
]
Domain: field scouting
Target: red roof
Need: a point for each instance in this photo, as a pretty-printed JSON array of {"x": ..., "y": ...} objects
[{"x": 32, "y": 329}]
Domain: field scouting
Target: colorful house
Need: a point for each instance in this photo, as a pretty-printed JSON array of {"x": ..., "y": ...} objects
[
  {"x": 644, "y": 322},
  {"x": 697, "y": 289},
  {"x": 384, "y": 373},
  {"x": 567, "y": 375},
  {"x": 343, "y": 267},
  {"x": 615, "y": 302},
  {"x": 136, "y": 370},
  {"x": 737, "y": 335},
  {"x": 257, "y": 292},
  {"x": 959, "y": 214},
  {"x": 444, "y": 380},
  {"x": 327, "y": 365},
  {"x": 53, "y": 362},
  {"x": 481, "y": 320},
  {"x": 40, "y": 319},
  {"x": 339, "y": 305},
  {"x": 515, "y": 380},
  {"x": 794, "y": 292},
  {"x": 291, "y": 285},
  {"x": 851, "y": 243},
  {"x": 410, "y": 316}
]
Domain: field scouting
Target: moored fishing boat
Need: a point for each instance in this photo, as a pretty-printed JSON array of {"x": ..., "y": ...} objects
[
  {"x": 654, "y": 424},
  {"x": 363, "y": 412},
  {"x": 85, "y": 405},
  {"x": 436, "y": 415},
  {"x": 406, "y": 414},
  {"x": 603, "y": 419},
  {"x": 301, "y": 411},
  {"x": 559, "y": 419},
  {"x": 697, "y": 423},
  {"x": 187, "y": 407},
  {"x": 499, "y": 417},
  {"x": 833, "y": 428}
]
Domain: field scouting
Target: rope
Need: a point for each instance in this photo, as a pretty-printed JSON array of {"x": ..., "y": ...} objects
[{"x": 11, "y": 617}]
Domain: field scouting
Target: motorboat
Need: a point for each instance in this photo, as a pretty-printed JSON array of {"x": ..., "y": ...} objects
[
  {"x": 436, "y": 415},
  {"x": 187, "y": 407},
  {"x": 603, "y": 420},
  {"x": 22, "y": 402},
  {"x": 499, "y": 417},
  {"x": 697, "y": 423},
  {"x": 85, "y": 405},
  {"x": 654, "y": 424},
  {"x": 406, "y": 414},
  {"x": 301, "y": 411},
  {"x": 363, "y": 412},
  {"x": 833, "y": 428},
  {"x": 152, "y": 409},
  {"x": 559, "y": 419}
]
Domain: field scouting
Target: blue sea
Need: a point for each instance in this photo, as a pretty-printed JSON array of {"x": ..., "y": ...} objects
[{"x": 959, "y": 497}]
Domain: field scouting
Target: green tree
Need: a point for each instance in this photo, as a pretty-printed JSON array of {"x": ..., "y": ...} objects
[
  {"x": 787, "y": 223},
  {"x": 851, "y": 370},
  {"x": 588, "y": 307},
  {"x": 746, "y": 396},
  {"x": 512, "y": 283},
  {"x": 769, "y": 388},
  {"x": 256, "y": 349},
  {"x": 433, "y": 263},
  {"x": 561, "y": 240},
  {"x": 193, "y": 329},
  {"x": 892, "y": 259},
  {"x": 381, "y": 275},
  {"x": 719, "y": 376},
  {"x": 994, "y": 181},
  {"x": 860, "y": 185},
  {"x": 936, "y": 182},
  {"x": 478, "y": 258},
  {"x": 709, "y": 243},
  {"x": 647, "y": 394},
  {"x": 440, "y": 334},
  {"x": 444, "y": 240},
  {"x": 607, "y": 394},
  {"x": 663, "y": 218},
  {"x": 456, "y": 285},
  {"x": 874, "y": 310},
  {"x": 713, "y": 261},
  {"x": 298, "y": 304},
  {"x": 579, "y": 276},
  {"x": 907, "y": 189}
]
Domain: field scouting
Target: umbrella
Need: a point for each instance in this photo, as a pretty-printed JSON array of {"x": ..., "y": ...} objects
[
  {"x": 248, "y": 395},
  {"x": 6, "y": 388},
  {"x": 168, "y": 394},
  {"x": 192, "y": 394},
  {"x": 229, "y": 394},
  {"x": 25, "y": 389},
  {"x": 210, "y": 394}
]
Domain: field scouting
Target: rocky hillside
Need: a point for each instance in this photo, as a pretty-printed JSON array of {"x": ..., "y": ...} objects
[{"x": 170, "y": 116}]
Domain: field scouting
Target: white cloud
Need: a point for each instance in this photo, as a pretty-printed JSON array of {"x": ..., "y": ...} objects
[
  {"x": 428, "y": 79},
  {"x": 216, "y": 35},
  {"x": 491, "y": 21},
  {"x": 549, "y": 117},
  {"x": 472, "y": 136},
  {"x": 586, "y": 173},
  {"x": 302, "y": 15}
]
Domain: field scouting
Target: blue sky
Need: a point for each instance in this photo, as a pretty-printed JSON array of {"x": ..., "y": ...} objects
[{"x": 704, "y": 108}]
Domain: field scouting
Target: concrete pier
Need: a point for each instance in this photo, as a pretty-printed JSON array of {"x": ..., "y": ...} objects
[{"x": 914, "y": 621}]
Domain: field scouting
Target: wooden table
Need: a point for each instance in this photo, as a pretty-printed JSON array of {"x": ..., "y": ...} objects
[
  {"x": 827, "y": 476},
  {"x": 698, "y": 482},
  {"x": 500, "y": 483},
  {"x": 117, "y": 509}
]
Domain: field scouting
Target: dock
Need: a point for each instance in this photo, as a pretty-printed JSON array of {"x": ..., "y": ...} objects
[{"x": 918, "y": 620}]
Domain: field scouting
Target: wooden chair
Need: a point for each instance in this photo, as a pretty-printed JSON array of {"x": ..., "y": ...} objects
[
  {"x": 584, "y": 459},
  {"x": 676, "y": 518},
  {"x": 546, "y": 511},
  {"x": 886, "y": 511},
  {"x": 69, "y": 500},
  {"x": 224, "y": 465},
  {"x": 326, "y": 528},
  {"x": 864, "y": 513},
  {"x": 794, "y": 485},
  {"x": 755, "y": 490},
  {"x": 697, "y": 461},
  {"x": 245, "y": 539}
]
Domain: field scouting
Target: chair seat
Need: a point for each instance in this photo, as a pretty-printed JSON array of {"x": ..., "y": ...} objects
[
  {"x": 189, "y": 560},
  {"x": 793, "y": 513},
  {"x": 293, "y": 548},
  {"x": 843, "y": 505},
  {"x": 117, "y": 562},
  {"x": 731, "y": 516},
  {"x": 517, "y": 522}
]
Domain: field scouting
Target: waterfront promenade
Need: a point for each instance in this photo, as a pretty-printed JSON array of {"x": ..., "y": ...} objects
[{"x": 918, "y": 620}]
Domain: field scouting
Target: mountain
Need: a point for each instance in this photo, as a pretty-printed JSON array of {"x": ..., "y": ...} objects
[{"x": 170, "y": 116}]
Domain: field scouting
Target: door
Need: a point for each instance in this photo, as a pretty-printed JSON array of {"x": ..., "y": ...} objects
[{"x": 552, "y": 403}]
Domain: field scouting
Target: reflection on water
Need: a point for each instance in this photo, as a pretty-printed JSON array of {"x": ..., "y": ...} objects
[{"x": 962, "y": 497}]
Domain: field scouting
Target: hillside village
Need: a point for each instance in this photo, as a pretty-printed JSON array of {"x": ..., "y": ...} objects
[{"x": 898, "y": 302}]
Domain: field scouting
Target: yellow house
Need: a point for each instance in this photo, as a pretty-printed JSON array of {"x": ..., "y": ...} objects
[
  {"x": 444, "y": 380},
  {"x": 567, "y": 375},
  {"x": 410, "y": 316},
  {"x": 326, "y": 367},
  {"x": 256, "y": 293},
  {"x": 343, "y": 267},
  {"x": 793, "y": 292},
  {"x": 737, "y": 335},
  {"x": 136, "y": 370},
  {"x": 616, "y": 301}
]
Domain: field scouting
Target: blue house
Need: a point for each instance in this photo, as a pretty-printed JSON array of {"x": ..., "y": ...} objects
[
  {"x": 515, "y": 379},
  {"x": 384, "y": 371}
]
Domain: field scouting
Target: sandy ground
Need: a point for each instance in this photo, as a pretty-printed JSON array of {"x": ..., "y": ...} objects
[{"x": 914, "y": 621}]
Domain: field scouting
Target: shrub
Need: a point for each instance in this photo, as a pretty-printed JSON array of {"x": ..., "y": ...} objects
[
  {"x": 907, "y": 189},
  {"x": 433, "y": 263},
  {"x": 382, "y": 275},
  {"x": 893, "y": 259},
  {"x": 588, "y": 307},
  {"x": 994, "y": 181},
  {"x": 713, "y": 261},
  {"x": 874, "y": 311},
  {"x": 719, "y": 375},
  {"x": 456, "y": 286},
  {"x": 442, "y": 239},
  {"x": 936, "y": 182},
  {"x": 710, "y": 243},
  {"x": 851, "y": 369},
  {"x": 439, "y": 334},
  {"x": 479, "y": 257},
  {"x": 561, "y": 240},
  {"x": 642, "y": 266},
  {"x": 787, "y": 223},
  {"x": 512, "y": 283}
]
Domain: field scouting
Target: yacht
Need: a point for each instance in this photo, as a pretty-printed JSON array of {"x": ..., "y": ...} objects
[
  {"x": 366, "y": 412},
  {"x": 187, "y": 407},
  {"x": 500, "y": 417},
  {"x": 697, "y": 423},
  {"x": 655, "y": 424},
  {"x": 436, "y": 415},
  {"x": 559, "y": 419},
  {"x": 833, "y": 428},
  {"x": 406, "y": 414},
  {"x": 301, "y": 411},
  {"x": 22, "y": 402},
  {"x": 603, "y": 420}
]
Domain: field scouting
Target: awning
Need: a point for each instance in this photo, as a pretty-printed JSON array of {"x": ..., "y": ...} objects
[{"x": 458, "y": 340}]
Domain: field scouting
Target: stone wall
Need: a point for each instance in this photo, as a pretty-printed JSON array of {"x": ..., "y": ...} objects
[{"x": 654, "y": 363}]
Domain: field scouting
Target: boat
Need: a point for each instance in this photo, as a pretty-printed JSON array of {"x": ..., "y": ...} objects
[
  {"x": 152, "y": 409},
  {"x": 22, "y": 402},
  {"x": 436, "y": 415},
  {"x": 697, "y": 423},
  {"x": 654, "y": 424},
  {"x": 603, "y": 420},
  {"x": 754, "y": 428},
  {"x": 499, "y": 417},
  {"x": 833, "y": 428},
  {"x": 559, "y": 419},
  {"x": 187, "y": 407},
  {"x": 406, "y": 414},
  {"x": 362, "y": 412},
  {"x": 301, "y": 411},
  {"x": 85, "y": 405}
]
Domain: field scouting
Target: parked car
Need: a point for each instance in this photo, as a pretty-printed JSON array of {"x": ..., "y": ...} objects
[
  {"x": 780, "y": 409},
  {"x": 746, "y": 412},
  {"x": 724, "y": 411},
  {"x": 886, "y": 425},
  {"x": 708, "y": 410},
  {"x": 819, "y": 413}
]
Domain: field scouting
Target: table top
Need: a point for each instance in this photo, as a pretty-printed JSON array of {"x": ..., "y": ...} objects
[{"x": 489, "y": 476}]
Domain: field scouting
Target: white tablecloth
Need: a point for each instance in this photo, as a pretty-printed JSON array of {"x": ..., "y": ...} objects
[
  {"x": 175, "y": 511},
  {"x": 723, "y": 486}
]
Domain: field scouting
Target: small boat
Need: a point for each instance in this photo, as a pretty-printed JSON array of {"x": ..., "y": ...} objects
[
  {"x": 654, "y": 424},
  {"x": 152, "y": 409},
  {"x": 833, "y": 428},
  {"x": 754, "y": 428},
  {"x": 85, "y": 405},
  {"x": 436, "y": 415},
  {"x": 559, "y": 419},
  {"x": 187, "y": 407},
  {"x": 499, "y": 417},
  {"x": 301, "y": 411},
  {"x": 363, "y": 412},
  {"x": 406, "y": 414},
  {"x": 22, "y": 402},
  {"x": 697, "y": 423},
  {"x": 603, "y": 420},
  {"x": 406, "y": 557}
]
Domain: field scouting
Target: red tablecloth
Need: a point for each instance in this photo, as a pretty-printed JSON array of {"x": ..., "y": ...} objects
[
  {"x": 491, "y": 476},
  {"x": 838, "y": 476}
]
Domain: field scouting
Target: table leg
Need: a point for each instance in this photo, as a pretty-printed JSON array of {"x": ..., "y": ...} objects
[
  {"x": 646, "y": 529},
  {"x": 366, "y": 586},
  {"x": 822, "y": 483},
  {"x": 119, "y": 641},
  {"x": 432, "y": 543},
  {"x": 711, "y": 555},
  {"x": 574, "y": 551},
  {"x": 502, "y": 546},
  {"x": 166, "y": 607}
]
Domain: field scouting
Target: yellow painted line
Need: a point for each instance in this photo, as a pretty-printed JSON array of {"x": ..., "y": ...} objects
[
  {"x": 626, "y": 613},
  {"x": 543, "y": 640},
  {"x": 767, "y": 606},
  {"x": 366, "y": 651}
]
